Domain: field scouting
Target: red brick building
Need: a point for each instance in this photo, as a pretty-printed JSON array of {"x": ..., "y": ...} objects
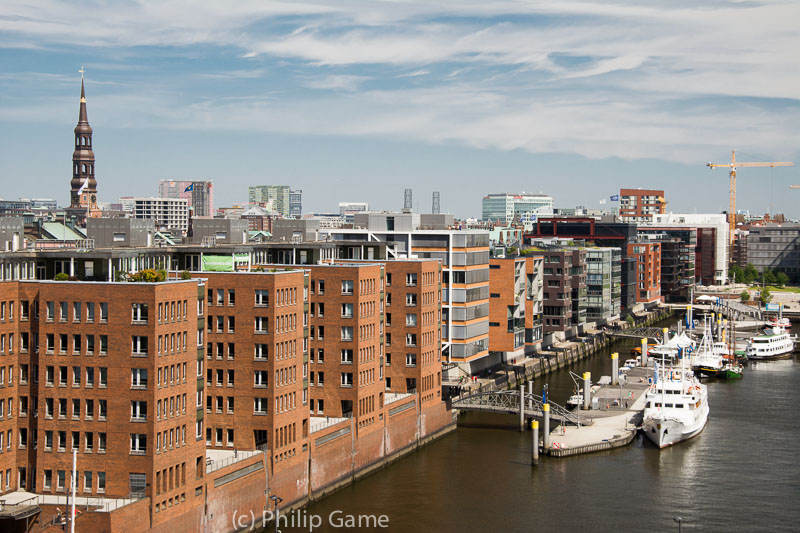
[
  {"x": 648, "y": 270},
  {"x": 638, "y": 205}
]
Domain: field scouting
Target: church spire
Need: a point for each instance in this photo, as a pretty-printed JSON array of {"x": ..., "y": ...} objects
[{"x": 83, "y": 187}]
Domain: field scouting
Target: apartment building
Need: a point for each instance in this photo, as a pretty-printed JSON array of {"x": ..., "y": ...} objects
[
  {"x": 168, "y": 214},
  {"x": 465, "y": 274},
  {"x": 108, "y": 370},
  {"x": 198, "y": 193},
  {"x": 639, "y": 205},
  {"x": 648, "y": 270},
  {"x": 256, "y": 371},
  {"x": 506, "y": 207},
  {"x": 413, "y": 310},
  {"x": 279, "y": 195},
  {"x": 564, "y": 303},
  {"x": 603, "y": 283},
  {"x": 515, "y": 292}
]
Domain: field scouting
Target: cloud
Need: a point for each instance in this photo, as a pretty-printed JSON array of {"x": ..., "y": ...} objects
[{"x": 337, "y": 81}]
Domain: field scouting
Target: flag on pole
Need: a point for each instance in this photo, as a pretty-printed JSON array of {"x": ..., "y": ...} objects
[
  {"x": 190, "y": 188},
  {"x": 83, "y": 185},
  {"x": 615, "y": 197}
]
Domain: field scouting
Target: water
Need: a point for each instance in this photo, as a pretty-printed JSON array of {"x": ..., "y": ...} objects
[{"x": 740, "y": 474}]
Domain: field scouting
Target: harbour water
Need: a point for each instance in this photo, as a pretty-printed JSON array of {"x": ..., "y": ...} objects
[{"x": 741, "y": 474}]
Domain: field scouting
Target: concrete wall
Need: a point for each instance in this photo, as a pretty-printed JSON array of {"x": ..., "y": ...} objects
[
  {"x": 121, "y": 232},
  {"x": 225, "y": 230},
  {"x": 12, "y": 234}
]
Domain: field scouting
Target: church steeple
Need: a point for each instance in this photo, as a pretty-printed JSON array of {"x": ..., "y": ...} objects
[{"x": 83, "y": 193}]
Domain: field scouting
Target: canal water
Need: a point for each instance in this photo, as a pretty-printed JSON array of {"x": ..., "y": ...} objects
[{"x": 741, "y": 474}]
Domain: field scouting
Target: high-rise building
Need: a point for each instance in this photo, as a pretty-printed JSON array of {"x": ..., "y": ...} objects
[
  {"x": 257, "y": 194},
  {"x": 774, "y": 246},
  {"x": 639, "y": 205},
  {"x": 169, "y": 214},
  {"x": 198, "y": 194},
  {"x": 507, "y": 207},
  {"x": 603, "y": 283},
  {"x": 296, "y": 203},
  {"x": 83, "y": 187},
  {"x": 648, "y": 270}
]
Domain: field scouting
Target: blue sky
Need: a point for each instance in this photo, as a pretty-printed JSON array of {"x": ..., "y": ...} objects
[{"x": 355, "y": 101}]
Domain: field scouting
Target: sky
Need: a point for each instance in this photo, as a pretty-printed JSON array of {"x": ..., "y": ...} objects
[{"x": 356, "y": 101}]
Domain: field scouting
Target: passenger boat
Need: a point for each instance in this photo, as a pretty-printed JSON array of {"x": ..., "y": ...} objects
[
  {"x": 772, "y": 344},
  {"x": 779, "y": 322},
  {"x": 676, "y": 407}
]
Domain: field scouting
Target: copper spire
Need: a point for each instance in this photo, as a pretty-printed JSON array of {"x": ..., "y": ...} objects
[{"x": 82, "y": 118}]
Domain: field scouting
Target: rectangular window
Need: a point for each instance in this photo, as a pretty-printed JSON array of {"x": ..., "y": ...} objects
[
  {"x": 138, "y": 444},
  {"x": 261, "y": 377},
  {"x": 347, "y": 286},
  {"x": 103, "y": 311},
  {"x": 347, "y": 379},
  {"x": 260, "y": 406},
  {"x": 139, "y": 347},
  {"x": 139, "y": 313},
  {"x": 262, "y": 324},
  {"x": 103, "y": 344},
  {"x": 89, "y": 311},
  {"x": 76, "y": 311},
  {"x": 103, "y": 376},
  {"x": 262, "y": 298},
  {"x": 261, "y": 352},
  {"x": 347, "y": 310},
  {"x": 347, "y": 357},
  {"x": 139, "y": 378},
  {"x": 347, "y": 333}
]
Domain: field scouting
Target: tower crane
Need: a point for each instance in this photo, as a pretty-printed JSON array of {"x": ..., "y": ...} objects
[{"x": 732, "y": 165}]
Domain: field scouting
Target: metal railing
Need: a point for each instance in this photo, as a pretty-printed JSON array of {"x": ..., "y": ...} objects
[
  {"x": 211, "y": 466},
  {"x": 508, "y": 402}
]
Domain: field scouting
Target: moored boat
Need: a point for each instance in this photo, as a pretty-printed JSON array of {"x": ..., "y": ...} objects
[
  {"x": 676, "y": 408},
  {"x": 772, "y": 344}
]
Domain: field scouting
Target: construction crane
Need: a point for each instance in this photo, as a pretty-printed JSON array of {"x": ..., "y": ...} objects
[{"x": 732, "y": 165}]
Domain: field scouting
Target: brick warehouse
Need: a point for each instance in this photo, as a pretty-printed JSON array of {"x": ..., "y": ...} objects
[{"x": 221, "y": 309}]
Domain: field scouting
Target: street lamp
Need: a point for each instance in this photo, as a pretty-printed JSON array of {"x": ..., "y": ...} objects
[
  {"x": 678, "y": 520},
  {"x": 276, "y": 500}
]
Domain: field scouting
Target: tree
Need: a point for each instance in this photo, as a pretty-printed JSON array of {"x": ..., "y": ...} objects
[
  {"x": 149, "y": 275},
  {"x": 736, "y": 273},
  {"x": 781, "y": 278},
  {"x": 745, "y": 296},
  {"x": 769, "y": 277},
  {"x": 186, "y": 275},
  {"x": 750, "y": 274},
  {"x": 766, "y": 297},
  {"x": 62, "y": 276}
]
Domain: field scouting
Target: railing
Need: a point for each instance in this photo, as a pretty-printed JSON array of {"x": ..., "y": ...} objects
[
  {"x": 508, "y": 401},
  {"x": 222, "y": 463}
]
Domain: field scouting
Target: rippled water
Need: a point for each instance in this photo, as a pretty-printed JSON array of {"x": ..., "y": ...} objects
[{"x": 740, "y": 474}]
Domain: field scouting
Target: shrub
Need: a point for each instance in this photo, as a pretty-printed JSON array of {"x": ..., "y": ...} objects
[
  {"x": 61, "y": 276},
  {"x": 186, "y": 275}
]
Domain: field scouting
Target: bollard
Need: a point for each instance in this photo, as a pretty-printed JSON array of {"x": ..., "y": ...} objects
[
  {"x": 615, "y": 368},
  {"x": 546, "y": 428},
  {"x": 587, "y": 390},
  {"x": 644, "y": 352},
  {"x": 535, "y": 442},
  {"x": 666, "y": 335},
  {"x": 522, "y": 407},
  {"x": 530, "y": 386}
]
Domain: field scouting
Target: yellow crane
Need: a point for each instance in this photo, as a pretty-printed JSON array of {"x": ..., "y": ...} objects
[{"x": 732, "y": 165}]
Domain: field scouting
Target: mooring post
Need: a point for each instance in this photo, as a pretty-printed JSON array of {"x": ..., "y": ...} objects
[
  {"x": 535, "y": 442},
  {"x": 522, "y": 407},
  {"x": 587, "y": 390},
  {"x": 615, "y": 368},
  {"x": 644, "y": 352},
  {"x": 530, "y": 386},
  {"x": 546, "y": 428},
  {"x": 666, "y": 335}
]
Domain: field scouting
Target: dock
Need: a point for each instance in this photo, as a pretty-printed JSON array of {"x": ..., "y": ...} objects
[{"x": 614, "y": 423}]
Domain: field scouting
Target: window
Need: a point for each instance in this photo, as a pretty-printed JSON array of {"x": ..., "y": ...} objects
[
  {"x": 347, "y": 333},
  {"x": 76, "y": 376},
  {"x": 262, "y": 298},
  {"x": 87, "y": 479},
  {"x": 103, "y": 312},
  {"x": 62, "y": 408},
  {"x": 347, "y": 286},
  {"x": 61, "y": 479},
  {"x": 76, "y": 311},
  {"x": 89, "y": 409},
  {"x": 231, "y": 324},
  {"x": 101, "y": 442},
  {"x": 411, "y": 359},
  {"x": 220, "y": 296},
  {"x": 139, "y": 345},
  {"x": 411, "y": 299},
  {"x": 231, "y": 297},
  {"x": 103, "y": 407},
  {"x": 103, "y": 372},
  {"x": 230, "y": 378},
  {"x": 62, "y": 441},
  {"x": 320, "y": 379},
  {"x": 89, "y": 311},
  {"x": 138, "y": 444},
  {"x": 411, "y": 339},
  {"x": 51, "y": 311},
  {"x": 76, "y": 409},
  {"x": 411, "y": 320},
  {"x": 101, "y": 480},
  {"x": 261, "y": 377},
  {"x": 347, "y": 379},
  {"x": 89, "y": 344},
  {"x": 347, "y": 357},
  {"x": 230, "y": 437},
  {"x": 139, "y": 378},
  {"x": 138, "y": 410},
  {"x": 48, "y": 440},
  {"x": 63, "y": 310},
  {"x": 262, "y": 324},
  {"x": 230, "y": 404},
  {"x": 139, "y": 313},
  {"x": 62, "y": 376},
  {"x": 347, "y": 310},
  {"x": 103, "y": 344},
  {"x": 62, "y": 343},
  {"x": 411, "y": 280},
  {"x": 260, "y": 406},
  {"x": 48, "y": 479}
]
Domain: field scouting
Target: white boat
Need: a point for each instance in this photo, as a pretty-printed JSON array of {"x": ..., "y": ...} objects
[
  {"x": 575, "y": 400},
  {"x": 779, "y": 322},
  {"x": 708, "y": 358},
  {"x": 775, "y": 342},
  {"x": 676, "y": 408}
]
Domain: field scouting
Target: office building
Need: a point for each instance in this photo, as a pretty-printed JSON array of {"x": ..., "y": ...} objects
[
  {"x": 507, "y": 207},
  {"x": 774, "y": 247},
  {"x": 198, "y": 194},
  {"x": 278, "y": 194},
  {"x": 603, "y": 284},
  {"x": 296, "y": 203},
  {"x": 168, "y": 214},
  {"x": 648, "y": 270}
]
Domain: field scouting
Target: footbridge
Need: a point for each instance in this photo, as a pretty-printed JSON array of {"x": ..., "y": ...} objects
[
  {"x": 508, "y": 402},
  {"x": 656, "y": 334}
]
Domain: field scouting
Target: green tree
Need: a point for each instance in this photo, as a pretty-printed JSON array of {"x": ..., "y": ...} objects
[
  {"x": 766, "y": 297},
  {"x": 745, "y": 296},
  {"x": 149, "y": 275},
  {"x": 62, "y": 276},
  {"x": 769, "y": 277},
  {"x": 750, "y": 274},
  {"x": 735, "y": 272},
  {"x": 186, "y": 275},
  {"x": 782, "y": 279}
]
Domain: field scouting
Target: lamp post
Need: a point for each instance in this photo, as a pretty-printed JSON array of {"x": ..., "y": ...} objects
[
  {"x": 678, "y": 520},
  {"x": 276, "y": 500}
]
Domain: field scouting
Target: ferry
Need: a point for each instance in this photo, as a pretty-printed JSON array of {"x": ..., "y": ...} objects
[
  {"x": 676, "y": 408},
  {"x": 772, "y": 344},
  {"x": 779, "y": 322}
]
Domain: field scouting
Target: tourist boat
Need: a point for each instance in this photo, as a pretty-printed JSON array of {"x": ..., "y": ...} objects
[
  {"x": 774, "y": 343},
  {"x": 707, "y": 359},
  {"x": 779, "y": 322},
  {"x": 676, "y": 407}
]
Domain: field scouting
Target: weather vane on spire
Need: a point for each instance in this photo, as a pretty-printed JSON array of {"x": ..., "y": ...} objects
[{"x": 81, "y": 71}]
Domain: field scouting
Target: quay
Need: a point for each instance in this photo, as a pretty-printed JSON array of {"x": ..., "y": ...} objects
[{"x": 612, "y": 425}]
